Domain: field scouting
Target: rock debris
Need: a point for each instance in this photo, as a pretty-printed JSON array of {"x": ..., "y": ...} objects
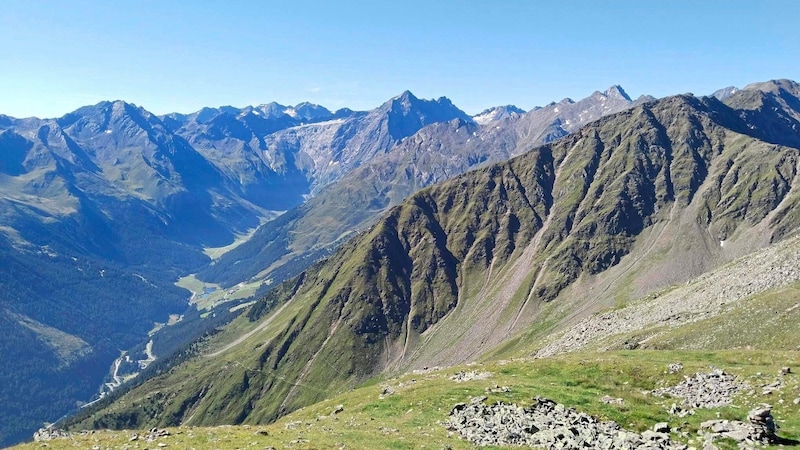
[
  {"x": 546, "y": 424},
  {"x": 704, "y": 390}
]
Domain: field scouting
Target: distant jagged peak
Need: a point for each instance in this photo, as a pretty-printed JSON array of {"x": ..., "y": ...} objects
[
  {"x": 722, "y": 94},
  {"x": 268, "y": 110},
  {"x": 344, "y": 112},
  {"x": 644, "y": 99},
  {"x": 309, "y": 112},
  {"x": 503, "y": 108},
  {"x": 614, "y": 92},
  {"x": 496, "y": 113},
  {"x": 617, "y": 92},
  {"x": 304, "y": 111},
  {"x": 102, "y": 114},
  {"x": 406, "y": 113},
  {"x": 406, "y": 96},
  {"x": 775, "y": 86},
  {"x": 205, "y": 114},
  {"x": 405, "y": 101},
  {"x": 105, "y": 105},
  {"x": 436, "y": 110},
  {"x": 445, "y": 101}
]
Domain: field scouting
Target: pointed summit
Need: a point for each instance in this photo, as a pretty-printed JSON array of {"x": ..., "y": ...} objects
[
  {"x": 406, "y": 96},
  {"x": 616, "y": 91},
  {"x": 407, "y": 113},
  {"x": 406, "y": 100},
  {"x": 722, "y": 94}
]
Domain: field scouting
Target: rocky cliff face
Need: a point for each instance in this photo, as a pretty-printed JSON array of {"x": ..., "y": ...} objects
[{"x": 633, "y": 202}]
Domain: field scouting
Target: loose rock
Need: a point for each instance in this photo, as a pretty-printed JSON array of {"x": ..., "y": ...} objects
[
  {"x": 609, "y": 400},
  {"x": 546, "y": 424},
  {"x": 462, "y": 376},
  {"x": 661, "y": 427},
  {"x": 48, "y": 434},
  {"x": 674, "y": 368},
  {"x": 704, "y": 390}
]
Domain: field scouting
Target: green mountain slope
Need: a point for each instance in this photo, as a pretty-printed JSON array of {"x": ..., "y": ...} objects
[
  {"x": 751, "y": 337},
  {"x": 628, "y": 205}
]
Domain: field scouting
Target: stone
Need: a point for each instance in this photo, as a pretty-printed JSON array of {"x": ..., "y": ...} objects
[
  {"x": 386, "y": 391},
  {"x": 648, "y": 435},
  {"x": 676, "y": 410},
  {"x": 738, "y": 434},
  {"x": 661, "y": 427},
  {"x": 607, "y": 399}
]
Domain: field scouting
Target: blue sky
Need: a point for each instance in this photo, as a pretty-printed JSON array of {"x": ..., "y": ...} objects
[{"x": 169, "y": 55}]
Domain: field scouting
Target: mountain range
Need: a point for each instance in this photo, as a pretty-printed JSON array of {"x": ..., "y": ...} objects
[
  {"x": 605, "y": 200},
  {"x": 104, "y": 208},
  {"x": 492, "y": 260}
]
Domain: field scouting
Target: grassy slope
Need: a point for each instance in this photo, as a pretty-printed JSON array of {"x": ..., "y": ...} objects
[{"x": 410, "y": 418}]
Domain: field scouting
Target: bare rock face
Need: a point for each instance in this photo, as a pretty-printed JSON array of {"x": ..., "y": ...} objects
[{"x": 547, "y": 424}]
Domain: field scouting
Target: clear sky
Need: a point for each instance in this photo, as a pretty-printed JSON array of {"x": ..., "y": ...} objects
[{"x": 180, "y": 55}]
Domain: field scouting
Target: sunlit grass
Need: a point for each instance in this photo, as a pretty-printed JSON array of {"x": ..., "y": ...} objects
[{"x": 411, "y": 416}]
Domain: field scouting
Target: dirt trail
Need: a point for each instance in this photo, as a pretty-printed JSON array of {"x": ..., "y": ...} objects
[
  {"x": 250, "y": 333},
  {"x": 307, "y": 367}
]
